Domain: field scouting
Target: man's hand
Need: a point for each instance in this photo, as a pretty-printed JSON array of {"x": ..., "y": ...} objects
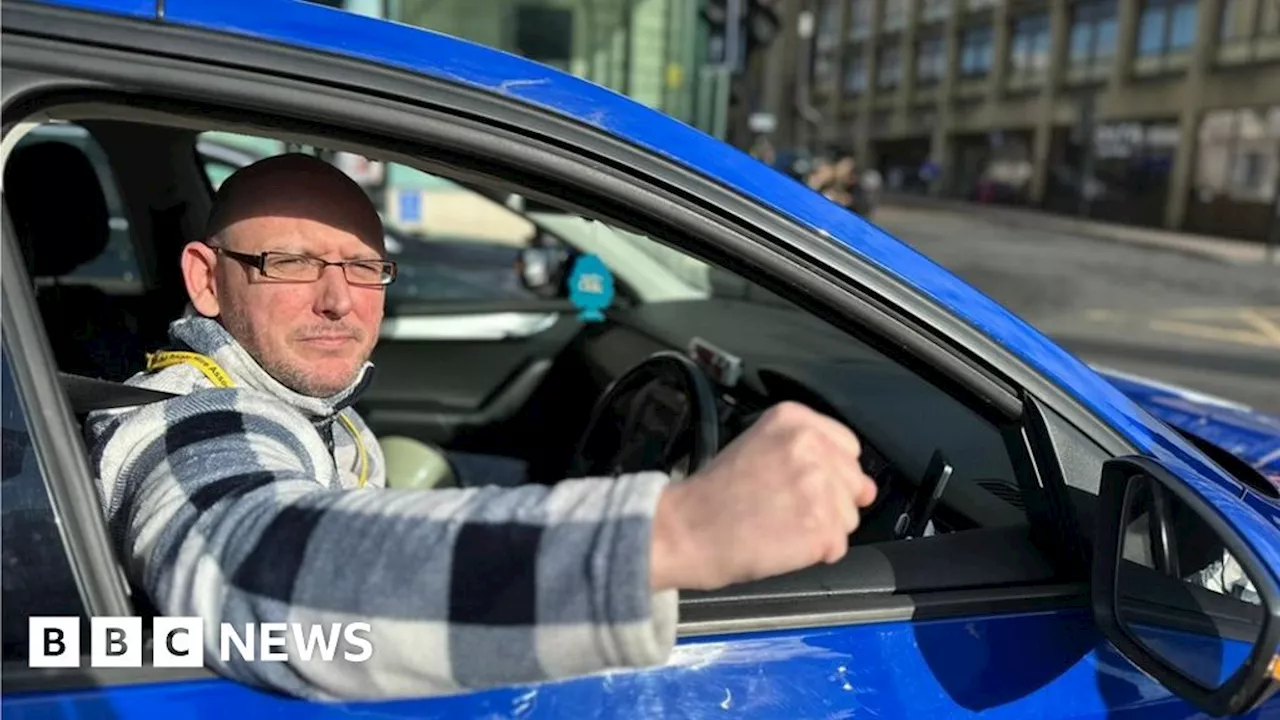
[{"x": 783, "y": 496}]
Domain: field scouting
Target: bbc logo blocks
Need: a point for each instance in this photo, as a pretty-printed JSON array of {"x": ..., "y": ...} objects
[
  {"x": 55, "y": 642},
  {"x": 179, "y": 642}
]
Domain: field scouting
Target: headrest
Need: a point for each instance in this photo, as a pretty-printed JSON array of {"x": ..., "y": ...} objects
[{"x": 59, "y": 212}]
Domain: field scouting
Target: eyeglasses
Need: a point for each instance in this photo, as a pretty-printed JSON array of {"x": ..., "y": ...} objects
[{"x": 304, "y": 268}]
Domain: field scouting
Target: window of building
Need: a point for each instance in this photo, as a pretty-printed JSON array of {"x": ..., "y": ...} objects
[
  {"x": 855, "y": 70},
  {"x": 1029, "y": 50},
  {"x": 975, "y": 5},
  {"x": 1093, "y": 37},
  {"x": 861, "y": 18},
  {"x": 934, "y": 10},
  {"x": 1166, "y": 27},
  {"x": 1249, "y": 30},
  {"x": 1237, "y": 173},
  {"x": 890, "y": 67},
  {"x": 1238, "y": 155},
  {"x": 976, "y": 51},
  {"x": 826, "y": 53},
  {"x": 931, "y": 60},
  {"x": 895, "y": 14}
]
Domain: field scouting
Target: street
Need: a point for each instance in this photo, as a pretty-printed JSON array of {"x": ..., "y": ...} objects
[{"x": 1198, "y": 323}]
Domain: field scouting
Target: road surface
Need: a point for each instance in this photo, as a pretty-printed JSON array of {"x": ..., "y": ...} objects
[{"x": 1198, "y": 323}]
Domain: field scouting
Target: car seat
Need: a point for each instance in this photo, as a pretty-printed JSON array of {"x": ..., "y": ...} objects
[{"x": 61, "y": 220}]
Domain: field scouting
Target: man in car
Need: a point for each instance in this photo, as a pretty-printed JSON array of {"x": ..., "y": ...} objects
[{"x": 258, "y": 495}]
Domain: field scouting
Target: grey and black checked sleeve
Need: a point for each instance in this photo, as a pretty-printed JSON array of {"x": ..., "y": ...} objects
[{"x": 224, "y": 505}]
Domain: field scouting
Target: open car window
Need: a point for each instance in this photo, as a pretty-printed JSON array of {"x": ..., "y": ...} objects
[{"x": 467, "y": 244}]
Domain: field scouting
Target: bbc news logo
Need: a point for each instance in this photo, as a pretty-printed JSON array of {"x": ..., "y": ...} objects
[{"x": 55, "y": 642}]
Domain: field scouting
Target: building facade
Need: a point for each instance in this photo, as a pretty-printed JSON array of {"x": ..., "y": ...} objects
[
  {"x": 1154, "y": 112},
  {"x": 647, "y": 49}
]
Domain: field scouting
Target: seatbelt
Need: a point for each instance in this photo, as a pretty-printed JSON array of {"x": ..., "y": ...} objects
[{"x": 89, "y": 394}]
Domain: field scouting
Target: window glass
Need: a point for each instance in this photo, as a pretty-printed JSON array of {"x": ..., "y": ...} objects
[
  {"x": 1093, "y": 32},
  {"x": 1182, "y": 33},
  {"x": 828, "y": 24},
  {"x": 1081, "y": 42},
  {"x": 895, "y": 13},
  {"x": 1236, "y": 19},
  {"x": 36, "y": 574},
  {"x": 855, "y": 78},
  {"x": 115, "y": 269},
  {"x": 1167, "y": 26},
  {"x": 1151, "y": 31},
  {"x": 931, "y": 60},
  {"x": 1238, "y": 156},
  {"x": 975, "y": 55},
  {"x": 1029, "y": 53},
  {"x": 1105, "y": 37},
  {"x": 936, "y": 9},
  {"x": 890, "y": 66},
  {"x": 860, "y": 18}
]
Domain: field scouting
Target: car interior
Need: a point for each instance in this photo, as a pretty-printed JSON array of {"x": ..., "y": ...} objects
[{"x": 679, "y": 367}]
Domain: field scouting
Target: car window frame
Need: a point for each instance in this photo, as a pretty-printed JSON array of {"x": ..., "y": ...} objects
[
  {"x": 56, "y": 440},
  {"x": 929, "y": 334}
]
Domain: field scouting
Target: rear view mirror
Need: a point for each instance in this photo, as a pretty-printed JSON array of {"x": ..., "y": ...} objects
[{"x": 1179, "y": 593}]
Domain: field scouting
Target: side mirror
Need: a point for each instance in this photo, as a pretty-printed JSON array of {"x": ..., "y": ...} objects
[
  {"x": 542, "y": 270},
  {"x": 1180, "y": 593}
]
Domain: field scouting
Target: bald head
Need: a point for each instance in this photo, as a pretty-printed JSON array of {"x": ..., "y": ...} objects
[{"x": 295, "y": 186}]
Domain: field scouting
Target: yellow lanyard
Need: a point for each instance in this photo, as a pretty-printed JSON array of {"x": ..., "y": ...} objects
[{"x": 220, "y": 378}]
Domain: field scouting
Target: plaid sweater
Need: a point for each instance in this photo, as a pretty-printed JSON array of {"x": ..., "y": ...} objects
[{"x": 241, "y": 505}]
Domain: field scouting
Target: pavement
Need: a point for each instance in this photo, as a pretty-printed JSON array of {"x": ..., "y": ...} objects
[
  {"x": 1197, "y": 318},
  {"x": 1227, "y": 250}
]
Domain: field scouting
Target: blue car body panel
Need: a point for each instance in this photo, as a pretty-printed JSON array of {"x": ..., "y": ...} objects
[
  {"x": 1250, "y": 435},
  {"x": 1049, "y": 664}
]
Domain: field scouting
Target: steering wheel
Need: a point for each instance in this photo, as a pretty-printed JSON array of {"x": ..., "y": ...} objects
[{"x": 660, "y": 415}]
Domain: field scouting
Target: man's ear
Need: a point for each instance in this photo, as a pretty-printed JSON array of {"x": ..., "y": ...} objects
[{"x": 199, "y": 264}]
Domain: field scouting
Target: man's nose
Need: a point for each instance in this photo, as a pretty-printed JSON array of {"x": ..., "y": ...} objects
[{"x": 333, "y": 298}]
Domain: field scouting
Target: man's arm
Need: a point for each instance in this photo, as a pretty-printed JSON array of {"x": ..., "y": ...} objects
[{"x": 218, "y": 502}]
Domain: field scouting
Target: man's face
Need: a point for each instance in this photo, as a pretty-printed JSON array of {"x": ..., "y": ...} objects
[{"x": 312, "y": 336}]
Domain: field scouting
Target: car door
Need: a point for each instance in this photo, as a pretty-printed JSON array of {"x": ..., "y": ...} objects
[
  {"x": 996, "y": 620},
  {"x": 1024, "y": 645}
]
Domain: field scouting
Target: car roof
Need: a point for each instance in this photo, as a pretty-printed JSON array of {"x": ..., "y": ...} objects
[{"x": 447, "y": 58}]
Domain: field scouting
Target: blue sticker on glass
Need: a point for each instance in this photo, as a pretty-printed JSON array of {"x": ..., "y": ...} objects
[{"x": 590, "y": 288}]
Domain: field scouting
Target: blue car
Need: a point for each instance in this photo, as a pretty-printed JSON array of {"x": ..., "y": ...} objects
[{"x": 1048, "y": 540}]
